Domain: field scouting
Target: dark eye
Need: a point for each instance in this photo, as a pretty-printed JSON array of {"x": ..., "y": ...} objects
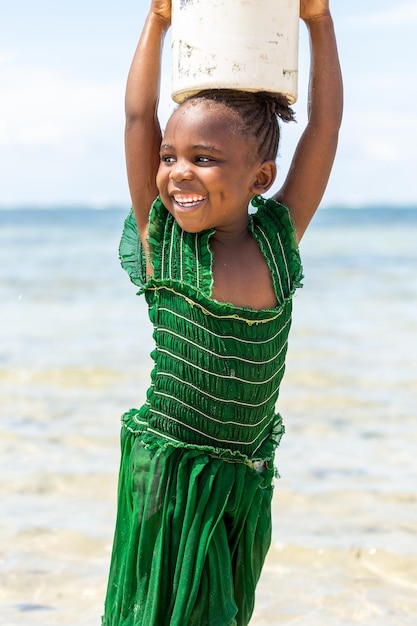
[
  {"x": 203, "y": 159},
  {"x": 166, "y": 158}
]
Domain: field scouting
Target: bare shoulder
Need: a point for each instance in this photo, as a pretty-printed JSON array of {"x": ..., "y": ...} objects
[{"x": 242, "y": 276}]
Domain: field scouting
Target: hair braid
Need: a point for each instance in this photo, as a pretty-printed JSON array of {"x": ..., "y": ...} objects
[{"x": 258, "y": 113}]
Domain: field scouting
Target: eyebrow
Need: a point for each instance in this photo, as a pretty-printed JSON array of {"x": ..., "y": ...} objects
[
  {"x": 207, "y": 148},
  {"x": 199, "y": 146}
]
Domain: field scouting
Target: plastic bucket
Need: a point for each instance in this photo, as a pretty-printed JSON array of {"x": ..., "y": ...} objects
[{"x": 250, "y": 45}]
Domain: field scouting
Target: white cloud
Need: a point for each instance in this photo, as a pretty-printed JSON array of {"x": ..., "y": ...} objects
[
  {"x": 381, "y": 136},
  {"x": 382, "y": 151},
  {"x": 61, "y": 138},
  {"x": 38, "y": 106},
  {"x": 399, "y": 15}
]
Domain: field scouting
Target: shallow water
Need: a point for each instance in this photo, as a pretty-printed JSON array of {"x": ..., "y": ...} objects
[{"x": 74, "y": 355}]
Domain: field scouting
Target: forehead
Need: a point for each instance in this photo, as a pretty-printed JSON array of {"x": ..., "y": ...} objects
[{"x": 203, "y": 120}]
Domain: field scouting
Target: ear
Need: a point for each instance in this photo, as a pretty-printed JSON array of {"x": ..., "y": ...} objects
[{"x": 265, "y": 177}]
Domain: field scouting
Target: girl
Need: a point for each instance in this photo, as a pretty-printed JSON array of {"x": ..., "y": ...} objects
[{"x": 194, "y": 505}]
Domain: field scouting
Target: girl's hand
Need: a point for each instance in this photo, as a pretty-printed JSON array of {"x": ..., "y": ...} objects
[
  {"x": 162, "y": 8},
  {"x": 312, "y": 9}
]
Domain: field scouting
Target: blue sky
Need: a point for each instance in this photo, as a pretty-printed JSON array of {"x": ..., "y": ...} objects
[{"x": 63, "y": 68}]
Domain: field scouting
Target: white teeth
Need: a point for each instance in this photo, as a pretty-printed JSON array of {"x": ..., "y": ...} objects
[{"x": 188, "y": 201}]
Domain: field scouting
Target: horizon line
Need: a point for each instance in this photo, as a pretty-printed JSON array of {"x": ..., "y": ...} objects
[{"x": 81, "y": 206}]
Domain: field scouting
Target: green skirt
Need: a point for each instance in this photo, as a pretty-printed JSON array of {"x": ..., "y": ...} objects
[{"x": 191, "y": 537}]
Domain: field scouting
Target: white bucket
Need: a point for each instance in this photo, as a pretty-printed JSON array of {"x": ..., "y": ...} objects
[{"x": 250, "y": 45}]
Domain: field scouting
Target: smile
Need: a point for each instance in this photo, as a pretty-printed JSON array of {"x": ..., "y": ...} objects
[{"x": 188, "y": 201}]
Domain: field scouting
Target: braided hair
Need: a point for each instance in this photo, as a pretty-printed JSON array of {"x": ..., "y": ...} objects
[{"x": 257, "y": 113}]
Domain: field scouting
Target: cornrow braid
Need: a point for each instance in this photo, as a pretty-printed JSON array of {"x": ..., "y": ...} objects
[{"x": 258, "y": 114}]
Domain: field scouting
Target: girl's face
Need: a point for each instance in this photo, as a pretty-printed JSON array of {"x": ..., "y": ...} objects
[{"x": 207, "y": 171}]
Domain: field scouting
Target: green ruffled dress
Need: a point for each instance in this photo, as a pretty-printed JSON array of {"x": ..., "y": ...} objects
[{"x": 197, "y": 462}]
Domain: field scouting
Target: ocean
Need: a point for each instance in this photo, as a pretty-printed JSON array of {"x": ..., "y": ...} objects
[{"x": 74, "y": 355}]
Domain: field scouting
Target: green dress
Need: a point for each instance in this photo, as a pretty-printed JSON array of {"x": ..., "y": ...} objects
[{"x": 197, "y": 462}]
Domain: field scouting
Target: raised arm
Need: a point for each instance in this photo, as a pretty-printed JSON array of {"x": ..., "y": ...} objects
[
  {"x": 310, "y": 169},
  {"x": 142, "y": 130}
]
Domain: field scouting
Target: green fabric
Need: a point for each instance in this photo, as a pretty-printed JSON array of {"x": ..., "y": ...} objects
[
  {"x": 218, "y": 367},
  {"x": 193, "y": 524},
  {"x": 191, "y": 537}
]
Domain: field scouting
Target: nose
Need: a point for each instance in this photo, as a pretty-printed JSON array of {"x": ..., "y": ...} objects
[{"x": 181, "y": 170}]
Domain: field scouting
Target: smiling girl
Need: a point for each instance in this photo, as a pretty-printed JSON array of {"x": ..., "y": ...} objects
[{"x": 197, "y": 466}]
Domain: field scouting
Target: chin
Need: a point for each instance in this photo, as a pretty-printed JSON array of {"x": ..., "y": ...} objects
[
  {"x": 189, "y": 225},
  {"x": 190, "y": 228}
]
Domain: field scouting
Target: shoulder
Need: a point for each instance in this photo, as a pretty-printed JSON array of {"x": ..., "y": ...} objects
[
  {"x": 274, "y": 230},
  {"x": 136, "y": 255},
  {"x": 273, "y": 219},
  {"x": 169, "y": 254}
]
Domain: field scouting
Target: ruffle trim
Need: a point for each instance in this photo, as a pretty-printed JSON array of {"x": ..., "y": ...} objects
[
  {"x": 275, "y": 219},
  {"x": 131, "y": 252},
  {"x": 272, "y": 217},
  {"x": 213, "y": 308},
  {"x": 134, "y": 421},
  {"x": 160, "y": 222},
  {"x": 163, "y": 233}
]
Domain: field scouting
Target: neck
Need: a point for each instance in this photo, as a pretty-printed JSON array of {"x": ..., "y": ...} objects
[{"x": 234, "y": 235}]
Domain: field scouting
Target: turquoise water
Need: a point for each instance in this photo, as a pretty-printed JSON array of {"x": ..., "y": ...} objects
[{"x": 74, "y": 354}]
